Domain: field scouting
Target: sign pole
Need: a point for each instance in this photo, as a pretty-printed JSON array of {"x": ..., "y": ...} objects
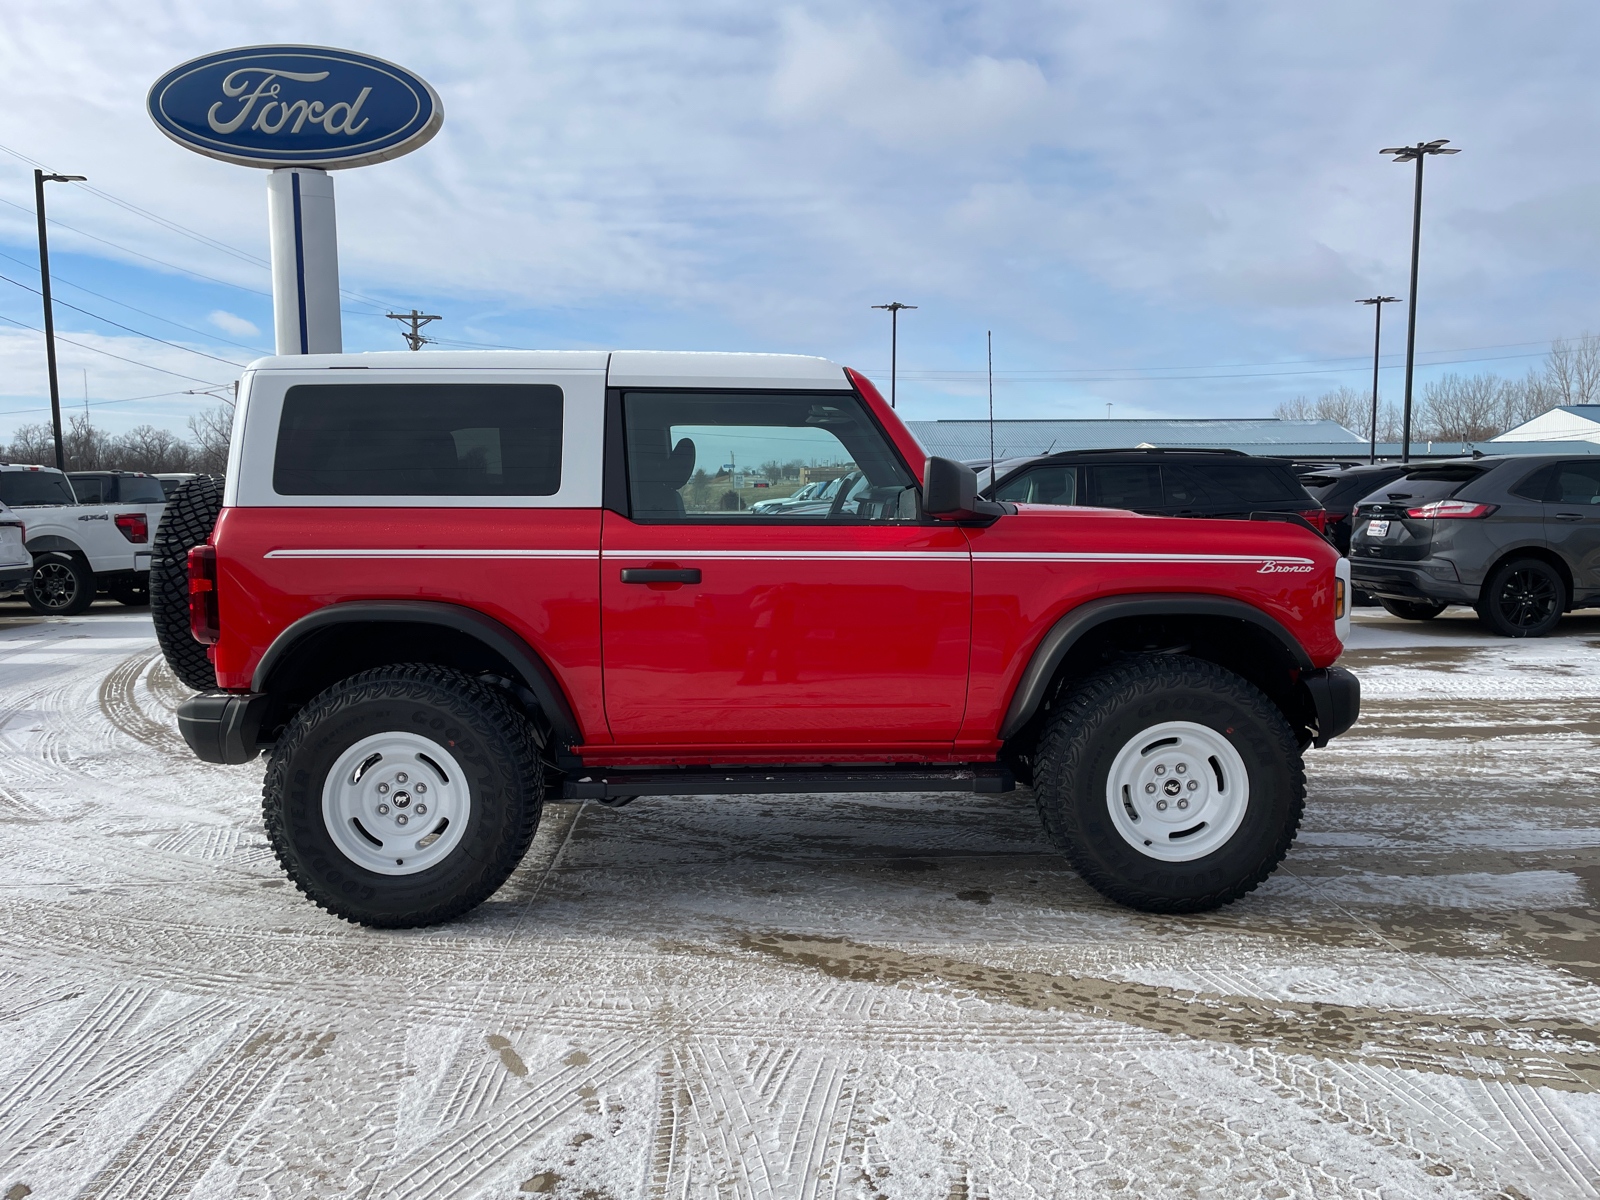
[{"x": 305, "y": 261}]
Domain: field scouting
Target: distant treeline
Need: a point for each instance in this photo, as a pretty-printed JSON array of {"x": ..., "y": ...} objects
[{"x": 145, "y": 448}]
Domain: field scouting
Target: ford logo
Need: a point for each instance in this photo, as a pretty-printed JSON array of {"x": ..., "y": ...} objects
[{"x": 286, "y": 106}]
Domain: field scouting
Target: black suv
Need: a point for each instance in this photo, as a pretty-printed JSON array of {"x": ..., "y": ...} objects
[
  {"x": 116, "y": 487},
  {"x": 1161, "y": 482},
  {"x": 1516, "y": 537},
  {"x": 1340, "y": 489}
]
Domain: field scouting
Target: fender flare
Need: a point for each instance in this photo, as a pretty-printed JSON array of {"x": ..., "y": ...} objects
[
  {"x": 1069, "y": 628},
  {"x": 535, "y": 674},
  {"x": 46, "y": 543}
]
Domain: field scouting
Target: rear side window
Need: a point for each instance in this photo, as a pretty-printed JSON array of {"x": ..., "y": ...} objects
[
  {"x": 31, "y": 489},
  {"x": 1134, "y": 486},
  {"x": 1230, "y": 482},
  {"x": 419, "y": 439},
  {"x": 1042, "y": 485},
  {"x": 90, "y": 489},
  {"x": 133, "y": 489}
]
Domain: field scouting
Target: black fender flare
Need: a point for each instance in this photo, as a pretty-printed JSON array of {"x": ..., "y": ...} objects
[
  {"x": 47, "y": 543},
  {"x": 533, "y": 671},
  {"x": 1070, "y": 627}
]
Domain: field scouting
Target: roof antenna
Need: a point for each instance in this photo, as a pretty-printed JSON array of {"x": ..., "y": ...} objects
[{"x": 991, "y": 407}]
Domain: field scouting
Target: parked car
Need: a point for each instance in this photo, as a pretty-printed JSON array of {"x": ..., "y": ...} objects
[
  {"x": 16, "y": 564},
  {"x": 430, "y": 639},
  {"x": 83, "y": 549},
  {"x": 1517, "y": 537},
  {"x": 779, "y": 503},
  {"x": 171, "y": 481},
  {"x": 1340, "y": 489},
  {"x": 116, "y": 487},
  {"x": 1217, "y": 484}
]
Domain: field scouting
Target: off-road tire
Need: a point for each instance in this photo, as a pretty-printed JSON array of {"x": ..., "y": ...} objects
[
  {"x": 62, "y": 585},
  {"x": 498, "y": 749},
  {"x": 1096, "y": 719},
  {"x": 1412, "y": 610},
  {"x": 186, "y": 523},
  {"x": 1542, "y": 592}
]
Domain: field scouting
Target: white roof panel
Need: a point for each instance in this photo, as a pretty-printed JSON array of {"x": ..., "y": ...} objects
[
  {"x": 675, "y": 368},
  {"x": 443, "y": 360}
]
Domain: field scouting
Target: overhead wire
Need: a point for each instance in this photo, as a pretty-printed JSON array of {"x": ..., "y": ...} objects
[
  {"x": 121, "y": 358},
  {"x": 11, "y": 412}
]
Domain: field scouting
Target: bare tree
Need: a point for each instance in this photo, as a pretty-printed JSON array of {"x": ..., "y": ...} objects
[
  {"x": 1464, "y": 409},
  {"x": 31, "y": 444},
  {"x": 147, "y": 448},
  {"x": 1348, "y": 407},
  {"x": 1572, "y": 371}
]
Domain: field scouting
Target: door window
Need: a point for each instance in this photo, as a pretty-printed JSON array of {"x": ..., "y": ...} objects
[
  {"x": 1578, "y": 483},
  {"x": 700, "y": 456},
  {"x": 91, "y": 489},
  {"x": 1134, "y": 486},
  {"x": 1042, "y": 485}
]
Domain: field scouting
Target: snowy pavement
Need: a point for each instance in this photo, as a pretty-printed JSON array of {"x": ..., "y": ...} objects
[{"x": 785, "y": 996}]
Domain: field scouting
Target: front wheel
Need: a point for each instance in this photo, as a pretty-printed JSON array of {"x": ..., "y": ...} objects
[
  {"x": 1523, "y": 598},
  {"x": 1412, "y": 610},
  {"x": 62, "y": 585},
  {"x": 1170, "y": 784},
  {"x": 404, "y": 796}
]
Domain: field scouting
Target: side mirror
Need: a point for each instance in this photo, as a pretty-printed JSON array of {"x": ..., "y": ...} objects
[{"x": 950, "y": 492}]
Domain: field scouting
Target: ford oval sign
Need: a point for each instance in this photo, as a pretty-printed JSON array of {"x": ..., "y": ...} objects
[{"x": 287, "y": 106}]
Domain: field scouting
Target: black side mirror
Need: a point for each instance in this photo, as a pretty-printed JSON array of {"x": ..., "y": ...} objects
[{"x": 950, "y": 492}]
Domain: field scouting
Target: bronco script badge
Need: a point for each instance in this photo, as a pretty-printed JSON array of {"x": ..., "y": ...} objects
[{"x": 284, "y": 106}]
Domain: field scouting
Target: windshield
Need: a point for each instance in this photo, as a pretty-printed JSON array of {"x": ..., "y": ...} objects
[{"x": 35, "y": 489}]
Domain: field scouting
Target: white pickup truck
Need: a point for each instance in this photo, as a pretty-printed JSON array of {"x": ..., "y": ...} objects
[{"x": 81, "y": 550}]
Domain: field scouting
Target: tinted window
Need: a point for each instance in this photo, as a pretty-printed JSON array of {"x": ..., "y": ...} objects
[
  {"x": 171, "y": 485},
  {"x": 22, "y": 489},
  {"x": 137, "y": 489},
  {"x": 700, "y": 455},
  {"x": 90, "y": 489},
  {"x": 1230, "y": 482},
  {"x": 419, "y": 439},
  {"x": 1424, "y": 484},
  {"x": 1538, "y": 485},
  {"x": 1042, "y": 485},
  {"x": 1578, "y": 483},
  {"x": 1350, "y": 488},
  {"x": 1134, "y": 486}
]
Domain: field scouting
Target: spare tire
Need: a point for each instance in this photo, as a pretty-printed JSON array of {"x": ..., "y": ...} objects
[{"x": 187, "y": 522}]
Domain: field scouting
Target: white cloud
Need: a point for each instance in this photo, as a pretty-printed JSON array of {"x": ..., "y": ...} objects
[{"x": 236, "y": 325}]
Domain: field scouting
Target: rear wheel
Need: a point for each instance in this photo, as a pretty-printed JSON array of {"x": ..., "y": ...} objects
[
  {"x": 1523, "y": 598},
  {"x": 1171, "y": 784},
  {"x": 62, "y": 585},
  {"x": 187, "y": 522},
  {"x": 404, "y": 796},
  {"x": 1413, "y": 610}
]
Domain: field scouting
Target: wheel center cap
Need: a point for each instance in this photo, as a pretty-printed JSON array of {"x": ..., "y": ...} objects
[{"x": 1172, "y": 787}]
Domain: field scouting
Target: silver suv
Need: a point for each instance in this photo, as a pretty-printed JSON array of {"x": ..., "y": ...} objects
[{"x": 1516, "y": 537}]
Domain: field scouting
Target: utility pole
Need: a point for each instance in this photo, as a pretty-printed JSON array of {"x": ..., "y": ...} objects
[
  {"x": 990, "y": 337},
  {"x": 1414, "y": 154},
  {"x": 39, "y": 180},
  {"x": 1377, "y": 303},
  {"x": 416, "y": 320},
  {"x": 894, "y": 341}
]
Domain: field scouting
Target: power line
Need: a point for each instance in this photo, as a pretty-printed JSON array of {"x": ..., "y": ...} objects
[
  {"x": 120, "y": 358},
  {"x": 11, "y": 412},
  {"x": 127, "y": 328}
]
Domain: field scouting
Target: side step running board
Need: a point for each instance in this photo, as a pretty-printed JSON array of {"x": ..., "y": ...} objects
[{"x": 616, "y": 784}]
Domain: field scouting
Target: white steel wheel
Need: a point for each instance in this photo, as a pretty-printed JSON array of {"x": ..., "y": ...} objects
[
  {"x": 1177, "y": 791},
  {"x": 396, "y": 803}
]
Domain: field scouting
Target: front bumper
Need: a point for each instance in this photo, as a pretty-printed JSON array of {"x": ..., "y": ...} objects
[
  {"x": 1336, "y": 698},
  {"x": 221, "y": 727}
]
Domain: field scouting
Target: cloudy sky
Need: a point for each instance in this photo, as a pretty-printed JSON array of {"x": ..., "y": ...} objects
[{"x": 1169, "y": 207}]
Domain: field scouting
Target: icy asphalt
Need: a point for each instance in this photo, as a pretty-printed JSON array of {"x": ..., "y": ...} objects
[{"x": 790, "y": 996}]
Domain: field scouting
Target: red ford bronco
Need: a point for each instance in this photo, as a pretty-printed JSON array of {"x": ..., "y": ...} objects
[{"x": 440, "y": 588}]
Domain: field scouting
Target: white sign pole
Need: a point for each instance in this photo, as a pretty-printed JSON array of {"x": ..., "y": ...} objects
[{"x": 305, "y": 261}]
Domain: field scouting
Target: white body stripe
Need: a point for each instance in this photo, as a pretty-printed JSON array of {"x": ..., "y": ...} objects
[
  {"x": 432, "y": 554},
  {"x": 1139, "y": 557},
  {"x": 1089, "y": 556}
]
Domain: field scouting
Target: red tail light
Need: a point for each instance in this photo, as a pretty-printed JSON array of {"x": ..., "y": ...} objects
[
  {"x": 135, "y": 526},
  {"x": 1317, "y": 518},
  {"x": 204, "y": 624},
  {"x": 1451, "y": 508}
]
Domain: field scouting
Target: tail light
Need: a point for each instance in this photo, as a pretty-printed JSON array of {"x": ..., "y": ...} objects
[
  {"x": 1317, "y": 518},
  {"x": 204, "y": 624},
  {"x": 135, "y": 526},
  {"x": 1451, "y": 508}
]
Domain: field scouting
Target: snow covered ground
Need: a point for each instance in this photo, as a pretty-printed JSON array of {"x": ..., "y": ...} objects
[{"x": 786, "y": 996}]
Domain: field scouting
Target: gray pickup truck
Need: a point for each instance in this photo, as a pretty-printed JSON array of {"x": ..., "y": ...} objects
[{"x": 82, "y": 547}]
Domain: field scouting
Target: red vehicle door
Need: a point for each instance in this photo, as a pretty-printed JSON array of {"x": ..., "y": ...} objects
[{"x": 843, "y": 625}]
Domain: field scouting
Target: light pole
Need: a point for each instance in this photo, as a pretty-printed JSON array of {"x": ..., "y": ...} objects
[
  {"x": 1377, "y": 303},
  {"x": 1414, "y": 154},
  {"x": 39, "y": 180},
  {"x": 894, "y": 341}
]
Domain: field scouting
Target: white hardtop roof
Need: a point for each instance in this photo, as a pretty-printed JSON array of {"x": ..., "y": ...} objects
[{"x": 625, "y": 368}]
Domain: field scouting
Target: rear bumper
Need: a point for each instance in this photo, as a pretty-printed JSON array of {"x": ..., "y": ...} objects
[
  {"x": 221, "y": 727},
  {"x": 1435, "y": 582},
  {"x": 1336, "y": 696},
  {"x": 14, "y": 579}
]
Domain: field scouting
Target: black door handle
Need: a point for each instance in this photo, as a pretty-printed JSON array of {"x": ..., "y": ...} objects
[
  {"x": 660, "y": 574},
  {"x": 1569, "y": 516}
]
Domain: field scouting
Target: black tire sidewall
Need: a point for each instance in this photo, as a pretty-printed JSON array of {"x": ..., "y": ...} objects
[
  {"x": 186, "y": 522},
  {"x": 83, "y": 579},
  {"x": 1412, "y": 610},
  {"x": 1489, "y": 610},
  {"x": 1083, "y": 823},
  {"x": 477, "y": 865}
]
